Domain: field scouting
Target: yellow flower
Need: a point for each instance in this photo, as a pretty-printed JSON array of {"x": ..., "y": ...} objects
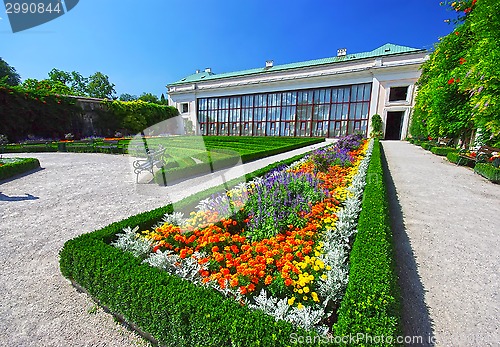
[
  {"x": 300, "y": 306},
  {"x": 316, "y": 268},
  {"x": 291, "y": 300},
  {"x": 328, "y": 267},
  {"x": 306, "y": 289},
  {"x": 315, "y": 296},
  {"x": 301, "y": 291},
  {"x": 324, "y": 277},
  {"x": 305, "y": 298}
]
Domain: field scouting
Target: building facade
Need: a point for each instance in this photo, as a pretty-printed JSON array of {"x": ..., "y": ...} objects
[{"x": 328, "y": 97}]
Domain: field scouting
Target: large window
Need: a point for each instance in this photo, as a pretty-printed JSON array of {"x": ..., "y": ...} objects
[{"x": 330, "y": 112}]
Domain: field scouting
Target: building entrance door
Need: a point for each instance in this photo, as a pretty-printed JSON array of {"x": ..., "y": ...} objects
[{"x": 394, "y": 124}]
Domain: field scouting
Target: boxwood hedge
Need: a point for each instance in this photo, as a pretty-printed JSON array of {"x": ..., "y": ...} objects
[
  {"x": 178, "y": 313},
  {"x": 442, "y": 151},
  {"x": 371, "y": 303},
  {"x": 488, "y": 171},
  {"x": 20, "y": 166}
]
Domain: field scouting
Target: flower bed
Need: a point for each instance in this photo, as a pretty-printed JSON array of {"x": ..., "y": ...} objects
[
  {"x": 272, "y": 243},
  {"x": 179, "y": 312},
  {"x": 10, "y": 167}
]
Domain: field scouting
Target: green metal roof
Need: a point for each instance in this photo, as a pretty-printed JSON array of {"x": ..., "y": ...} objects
[{"x": 385, "y": 50}]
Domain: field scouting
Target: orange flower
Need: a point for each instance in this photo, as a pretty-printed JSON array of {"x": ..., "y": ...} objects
[{"x": 268, "y": 280}]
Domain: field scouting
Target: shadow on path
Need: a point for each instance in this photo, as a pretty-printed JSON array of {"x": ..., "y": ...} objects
[
  {"x": 15, "y": 177},
  {"x": 4, "y": 197},
  {"x": 414, "y": 312}
]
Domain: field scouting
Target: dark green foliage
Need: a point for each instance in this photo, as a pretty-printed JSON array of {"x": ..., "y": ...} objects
[
  {"x": 488, "y": 171},
  {"x": 376, "y": 126},
  {"x": 371, "y": 303},
  {"x": 8, "y": 74},
  {"x": 134, "y": 116},
  {"x": 442, "y": 151},
  {"x": 26, "y": 112},
  {"x": 18, "y": 167}
]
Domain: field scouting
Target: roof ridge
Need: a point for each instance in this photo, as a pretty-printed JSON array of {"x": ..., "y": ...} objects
[{"x": 384, "y": 50}]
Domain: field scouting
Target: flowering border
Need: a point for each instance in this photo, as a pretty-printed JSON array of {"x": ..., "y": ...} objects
[{"x": 335, "y": 242}]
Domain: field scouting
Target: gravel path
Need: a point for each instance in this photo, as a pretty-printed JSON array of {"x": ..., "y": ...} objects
[
  {"x": 71, "y": 195},
  {"x": 448, "y": 248}
]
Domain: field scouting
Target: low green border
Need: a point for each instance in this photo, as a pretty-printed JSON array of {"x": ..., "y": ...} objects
[
  {"x": 19, "y": 167},
  {"x": 178, "y": 313}
]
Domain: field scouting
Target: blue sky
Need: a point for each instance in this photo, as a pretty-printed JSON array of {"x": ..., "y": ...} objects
[{"x": 144, "y": 45}]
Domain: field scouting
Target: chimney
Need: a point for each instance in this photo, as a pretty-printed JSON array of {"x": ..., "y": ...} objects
[
  {"x": 341, "y": 52},
  {"x": 197, "y": 71},
  {"x": 269, "y": 63},
  {"x": 208, "y": 70}
]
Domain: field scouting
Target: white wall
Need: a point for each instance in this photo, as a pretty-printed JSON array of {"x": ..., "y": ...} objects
[{"x": 382, "y": 72}]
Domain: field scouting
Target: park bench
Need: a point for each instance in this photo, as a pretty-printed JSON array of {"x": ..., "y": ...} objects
[
  {"x": 153, "y": 158},
  {"x": 109, "y": 146},
  {"x": 484, "y": 152}
]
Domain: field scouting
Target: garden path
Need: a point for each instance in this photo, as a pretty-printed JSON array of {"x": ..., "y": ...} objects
[
  {"x": 446, "y": 221},
  {"x": 73, "y": 194}
]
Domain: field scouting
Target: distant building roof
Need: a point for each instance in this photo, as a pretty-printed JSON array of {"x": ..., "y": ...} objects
[{"x": 385, "y": 50}]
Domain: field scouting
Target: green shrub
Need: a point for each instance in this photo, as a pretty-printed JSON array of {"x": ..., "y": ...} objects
[
  {"x": 220, "y": 144},
  {"x": 488, "y": 171},
  {"x": 456, "y": 158},
  {"x": 442, "y": 151},
  {"x": 371, "y": 303},
  {"x": 427, "y": 145},
  {"x": 11, "y": 169}
]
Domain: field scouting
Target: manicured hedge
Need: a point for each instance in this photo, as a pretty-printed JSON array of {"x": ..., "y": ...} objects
[
  {"x": 427, "y": 145},
  {"x": 167, "y": 176},
  {"x": 488, "y": 171},
  {"x": 371, "y": 304},
  {"x": 442, "y": 151},
  {"x": 173, "y": 311},
  {"x": 178, "y": 313},
  {"x": 455, "y": 158},
  {"x": 20, "y": 166}
]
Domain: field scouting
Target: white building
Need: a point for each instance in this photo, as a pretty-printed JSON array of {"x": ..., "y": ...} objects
[{"x": 327, "y": 97}]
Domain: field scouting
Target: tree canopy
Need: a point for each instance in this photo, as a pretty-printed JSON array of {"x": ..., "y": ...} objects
[
  {"x": 8, "y": 74},
  {"x": 459, "y": 88}
]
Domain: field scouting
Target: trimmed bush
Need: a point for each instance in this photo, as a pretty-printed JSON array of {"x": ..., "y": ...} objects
[
  {"x": 456, "y": 158},
  {"x": 172, "y": 310},
  {"x": 442, "y": 151},
  {"x": 427, "y": 145},
  {"x": 371, "y": 304},
  {"x": 178, "y": 313},
  {"x": 488, "y": 171},
  {"x": 11, "y": 169}
]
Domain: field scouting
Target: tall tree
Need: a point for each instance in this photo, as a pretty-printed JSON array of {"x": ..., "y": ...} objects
[
  {"x": 148, "y": 97},
  {"x": 47, "y": 87},
  {"x": 8, "y": 74},
  {"x": 127, "y": 97},
  {"x": 100, "y": 87},
  {"x": 73, "y": 80}
]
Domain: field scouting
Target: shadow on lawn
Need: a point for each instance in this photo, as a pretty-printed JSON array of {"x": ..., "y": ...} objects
[{"x": 414, "y": 312}]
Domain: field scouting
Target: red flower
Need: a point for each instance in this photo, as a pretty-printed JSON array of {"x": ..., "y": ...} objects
[
  {"x": 456, "y": 33},
  {"x": 473, "y": 2},
  {"x": 467, "y": 10},
  {"x": 156, "y": 248},
  {"x": 451, "y": 80},
  {"x": 462, "y": 60}
]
